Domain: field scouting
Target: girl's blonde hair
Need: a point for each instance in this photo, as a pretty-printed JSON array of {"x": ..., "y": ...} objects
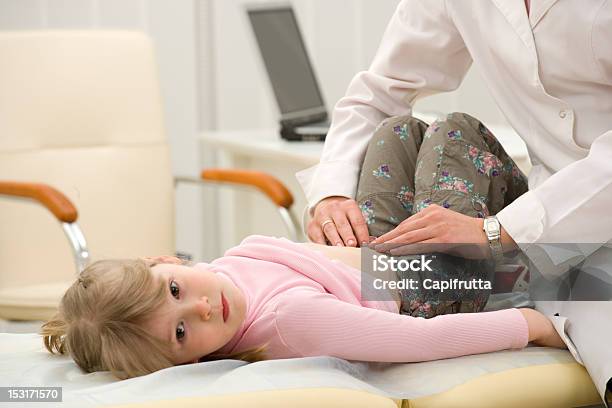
[{"x": 100, "y": 319}]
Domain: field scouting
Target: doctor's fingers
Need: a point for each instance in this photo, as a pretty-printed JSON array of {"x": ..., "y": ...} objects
[
  {"x": 322, "y": 232},
  {"x": 349, "y": 224},
  {"x": 328, "y": 226},
  {"x": 315, "y": 234},
  {"x": 340, "y": 219},
  {"x": 413, "y": 223},
  {"x": 406, "y": 238},
  {"x": 341, "y": 227},
  {"x": 358, "y": 223}
]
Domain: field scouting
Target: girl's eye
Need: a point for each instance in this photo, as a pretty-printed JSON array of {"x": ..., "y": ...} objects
[
  {"x": 174, "y": 289},
  {"x": 180, "y": 331}
]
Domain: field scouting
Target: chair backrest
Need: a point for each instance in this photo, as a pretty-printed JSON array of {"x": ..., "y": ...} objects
[{"x": 82, "y": 111}]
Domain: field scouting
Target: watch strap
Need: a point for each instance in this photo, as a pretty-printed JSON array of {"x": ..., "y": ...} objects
[{"x": 492, "y": 229}]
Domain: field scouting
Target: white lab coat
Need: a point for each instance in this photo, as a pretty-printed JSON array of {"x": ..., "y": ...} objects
[{"x": 550, "y": 74}]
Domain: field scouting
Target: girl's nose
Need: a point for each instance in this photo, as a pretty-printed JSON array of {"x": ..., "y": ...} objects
[{"x": 203, "y": 308}]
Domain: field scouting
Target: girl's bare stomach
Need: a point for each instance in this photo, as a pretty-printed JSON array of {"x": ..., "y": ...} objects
[{"x": 349, "y": 256}]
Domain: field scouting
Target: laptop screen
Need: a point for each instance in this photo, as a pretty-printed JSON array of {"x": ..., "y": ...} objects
[{"x": 286, "y": 60}]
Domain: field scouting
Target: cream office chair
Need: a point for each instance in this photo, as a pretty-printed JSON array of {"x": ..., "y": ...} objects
[{"x": 81, "y": 128}]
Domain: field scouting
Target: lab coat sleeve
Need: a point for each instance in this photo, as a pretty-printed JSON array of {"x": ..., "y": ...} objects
[
  {"x": 311, "y": 323},
  {"x": 571, "y": 207},
  {"x": 421, "y": 53}
]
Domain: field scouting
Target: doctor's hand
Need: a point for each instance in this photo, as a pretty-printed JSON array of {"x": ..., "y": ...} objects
[
  {"x": 339, "y": 221},
  {"x": 448, "y": 229}
]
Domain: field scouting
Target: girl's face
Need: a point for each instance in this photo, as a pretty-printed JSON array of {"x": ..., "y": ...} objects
[{"x": 201, "y": 313}]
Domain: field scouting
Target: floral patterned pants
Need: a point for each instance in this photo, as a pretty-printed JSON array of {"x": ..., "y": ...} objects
[{"x": 456, "y": 163}]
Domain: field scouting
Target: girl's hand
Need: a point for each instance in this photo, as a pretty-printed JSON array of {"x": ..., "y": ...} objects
[
  {"x": 440, "y": 226},
  {"x": 541, "y": 330}
]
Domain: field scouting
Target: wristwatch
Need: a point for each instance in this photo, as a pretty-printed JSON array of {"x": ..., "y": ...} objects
[{"x": 492, "y": 229}]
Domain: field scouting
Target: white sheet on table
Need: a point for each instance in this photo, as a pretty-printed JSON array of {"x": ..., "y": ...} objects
[{"x": 24, "y": 362}]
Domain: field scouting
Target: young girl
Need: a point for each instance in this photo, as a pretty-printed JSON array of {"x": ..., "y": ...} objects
[
  {"x": 272, "y": 298},
  {"x": 267, "y": 297}
]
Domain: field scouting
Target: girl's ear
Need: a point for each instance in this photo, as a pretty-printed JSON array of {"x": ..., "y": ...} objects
[
  {"x": 171, "y": 260},
  {"x": 154, "y": 260}
]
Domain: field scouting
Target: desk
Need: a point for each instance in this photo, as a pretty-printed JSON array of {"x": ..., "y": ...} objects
[{"x": 242, "y": 212}]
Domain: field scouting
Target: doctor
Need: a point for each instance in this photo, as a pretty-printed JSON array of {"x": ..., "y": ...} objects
[{"x": 547, "y": 64}]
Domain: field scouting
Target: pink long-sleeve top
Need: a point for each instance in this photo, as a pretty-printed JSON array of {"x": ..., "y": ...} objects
[{"x": 300, "y": 303}]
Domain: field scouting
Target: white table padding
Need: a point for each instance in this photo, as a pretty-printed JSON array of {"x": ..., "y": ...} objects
[{"x": 25, "y": 362}]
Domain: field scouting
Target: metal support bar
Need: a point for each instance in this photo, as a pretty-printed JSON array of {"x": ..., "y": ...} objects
[
  {"x": 79, "y": 245},
  {"x": 290, "y": 223}
]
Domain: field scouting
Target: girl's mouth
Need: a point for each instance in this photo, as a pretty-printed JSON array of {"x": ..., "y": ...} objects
[{"x": 226, "y": 309}]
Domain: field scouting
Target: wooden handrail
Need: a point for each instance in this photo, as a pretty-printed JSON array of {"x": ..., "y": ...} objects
[
  {"x": 56, "y": 202},
  {"x": 269, "y": 185}
]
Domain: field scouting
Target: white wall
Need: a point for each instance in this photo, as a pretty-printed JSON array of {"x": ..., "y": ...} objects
[{"x": 342, "y": 37}]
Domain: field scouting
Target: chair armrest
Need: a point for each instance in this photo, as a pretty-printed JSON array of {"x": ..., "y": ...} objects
[
  {"x": 269, "y": 185},
  {"x": 56, "y": 202}
]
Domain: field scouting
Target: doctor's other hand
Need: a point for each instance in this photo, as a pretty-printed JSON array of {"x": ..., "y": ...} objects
[
  {"x": 338, "y": 220},
  {"x": 451, "y": 232}
]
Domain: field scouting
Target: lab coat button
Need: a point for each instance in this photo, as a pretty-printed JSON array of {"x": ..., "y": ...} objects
[{"x": 562, "y": 114}]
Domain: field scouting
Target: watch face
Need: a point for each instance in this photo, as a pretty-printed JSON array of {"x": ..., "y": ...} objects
[{"x": 492, "y": 227}]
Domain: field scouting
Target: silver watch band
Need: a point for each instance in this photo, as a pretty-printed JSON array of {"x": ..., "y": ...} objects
[{"x": 492, "y": 229}]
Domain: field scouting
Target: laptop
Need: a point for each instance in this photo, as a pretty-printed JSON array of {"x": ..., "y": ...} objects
[{"x": 297, "y": 93}]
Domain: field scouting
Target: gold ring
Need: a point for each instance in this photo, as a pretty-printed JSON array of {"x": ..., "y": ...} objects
[{"x": 324, "y": 223}]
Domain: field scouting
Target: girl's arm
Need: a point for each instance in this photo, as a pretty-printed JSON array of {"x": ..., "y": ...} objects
[{"x": 315, "y": 324}]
